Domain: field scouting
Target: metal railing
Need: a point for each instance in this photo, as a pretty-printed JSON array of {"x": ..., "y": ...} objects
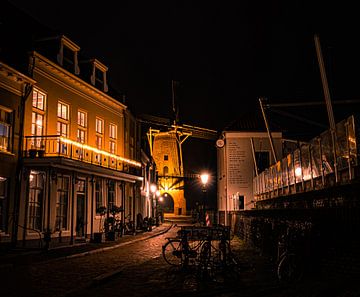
[
  {"x": 57, "y": 146},
  {"x": 317, "y": 164}
]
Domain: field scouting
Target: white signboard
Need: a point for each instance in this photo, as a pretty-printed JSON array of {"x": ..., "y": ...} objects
[{"x": 239, "y": 168}]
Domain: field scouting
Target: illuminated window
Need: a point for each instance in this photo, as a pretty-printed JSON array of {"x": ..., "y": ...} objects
[
  {"x": 38, "y": 117},
  {"x": 62, "y": 201},
  {"x": 62, "y": 129},
  {"x": 81, "y": 136},
  {"x": 99, "y": 126},
  {"x": 82, "y": 124},
  {"x": 98, "y": 140},
  {"x": 5, "y": 129},
  {"x": 63, "y": 119},
  {"x": 82, "y": 119},
  {"x": 113, "y": 131},
  {"x": 36, "y": 197},
  {"x": 38, "y": 99},
  {"x": 112, "y": 147},
  {"x": 63, "y": 111},
  {"x": 37, "y": 124},
  {"x": 113, "y": 137}
]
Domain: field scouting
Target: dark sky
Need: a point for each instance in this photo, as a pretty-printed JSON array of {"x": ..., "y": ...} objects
[{"x": 225, "y": 56}]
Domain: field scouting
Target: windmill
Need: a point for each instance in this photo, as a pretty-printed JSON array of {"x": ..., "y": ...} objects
[{"x": 166, "y": 137}]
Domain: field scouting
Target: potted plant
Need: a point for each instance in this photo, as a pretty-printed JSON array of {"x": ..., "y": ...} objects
[
  {"x": 99, "y": 236},
  {"x": 32, "y": 152},
  {"x": 41, "y": 151}
]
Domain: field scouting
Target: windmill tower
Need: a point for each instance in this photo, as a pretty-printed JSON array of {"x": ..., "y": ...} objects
[{"x": 166, "y": 149}]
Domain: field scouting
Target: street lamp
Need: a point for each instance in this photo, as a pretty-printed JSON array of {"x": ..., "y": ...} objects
[
  {"x": 153, "y": 189},
  {"x": 204, "y": 180}
]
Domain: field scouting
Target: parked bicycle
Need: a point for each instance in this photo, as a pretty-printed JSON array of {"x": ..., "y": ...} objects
[
  {"x": 206, "y": 248},
  {"x": 178, "y": 251},
  {"x": 292, "y": 254}
]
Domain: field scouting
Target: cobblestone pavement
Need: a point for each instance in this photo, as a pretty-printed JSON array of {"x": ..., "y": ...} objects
[{"x": 138, "y": 269}]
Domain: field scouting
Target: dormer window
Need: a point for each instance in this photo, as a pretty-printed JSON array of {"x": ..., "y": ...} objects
[
  {"x": 98, "y": 77},
  {"x": 68, "y": 55}
]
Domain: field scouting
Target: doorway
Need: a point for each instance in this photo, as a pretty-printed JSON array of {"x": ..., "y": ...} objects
[{"x": 80, "y": 209}]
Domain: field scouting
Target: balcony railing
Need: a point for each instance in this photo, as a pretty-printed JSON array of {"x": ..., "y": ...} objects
[
  {"x": 58, "y": 146},
  {"x": 315, "y": 165}
]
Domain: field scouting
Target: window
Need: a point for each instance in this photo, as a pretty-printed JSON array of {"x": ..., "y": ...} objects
[
  {"x": 3, "y": 201},
  {"x": 113, "y": 137},
  {"x": 67, "y": 56},
  {"x": 38, "y": 100},
  {"x": 62, "y": 129},
  {"x": 5, "y": 129},
  {"x": 82, "y": 124},
  {"x": 81, "y": 136},
  {"x": 99, "y": 127},
  {"x": 98, "y": 77},
  {"x": 166, "y": 157},
  {"x": 82, "y": 119},
  {"x": 63, "y": 111},
  {"x": 113, "y": 131},
  {"x": 37, "y": 124},
  {"x": 62, "y": 200},
  {"x": 111, "y": 194},
  {"x": 38, "y": 117},
  {"x": 63, "y": 119},
  {"x": 98, "y": 194},
  {"x": 112, "y": 147},
  {"x": 36, "y": 197},
  {"x": 166, "y": 170}
]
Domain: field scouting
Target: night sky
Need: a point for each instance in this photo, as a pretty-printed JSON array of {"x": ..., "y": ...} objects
[{"x": 225, "y": 56}]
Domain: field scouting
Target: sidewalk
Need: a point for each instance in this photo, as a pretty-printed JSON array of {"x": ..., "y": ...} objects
[{"x": 27, "y": 256}]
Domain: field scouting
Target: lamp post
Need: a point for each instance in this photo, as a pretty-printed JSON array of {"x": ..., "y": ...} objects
[
  {"x": 153, "y": 189},
  {"x": 204, "y": 179}
]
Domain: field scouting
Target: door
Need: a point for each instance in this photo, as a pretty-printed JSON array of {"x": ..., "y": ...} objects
[{"x": 80, "y": 209}]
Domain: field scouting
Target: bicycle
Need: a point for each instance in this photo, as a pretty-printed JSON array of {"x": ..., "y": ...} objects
[
  {"x": 291, "y": 255},
  {"x": 178, "y": 251}
]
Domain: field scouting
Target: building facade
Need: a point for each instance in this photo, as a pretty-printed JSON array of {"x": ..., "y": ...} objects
[
  {"x": 241, "y": 156},
  {"x": 14, "y": 88}
]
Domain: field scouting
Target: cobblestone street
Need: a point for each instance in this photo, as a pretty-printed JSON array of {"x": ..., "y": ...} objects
[{"x": 138, "y": 269}]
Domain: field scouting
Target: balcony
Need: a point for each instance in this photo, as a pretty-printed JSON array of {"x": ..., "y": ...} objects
[{"x": 58, "y": 146}]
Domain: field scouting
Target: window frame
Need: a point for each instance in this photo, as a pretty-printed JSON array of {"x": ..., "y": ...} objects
[
  {"x": 8, "y": 116},
  {"x": 82, "y": 128},
  {"x": 60, "y": 203},
  {"x": 61, "y": 121},
  {"x": 36, "y": 199}
]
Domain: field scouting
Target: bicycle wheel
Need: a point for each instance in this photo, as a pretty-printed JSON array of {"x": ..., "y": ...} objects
[
  {"x": 205, "y": 259},
  {"x": 289, "y": 269},
  {"x": 172, "y": 252}
]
